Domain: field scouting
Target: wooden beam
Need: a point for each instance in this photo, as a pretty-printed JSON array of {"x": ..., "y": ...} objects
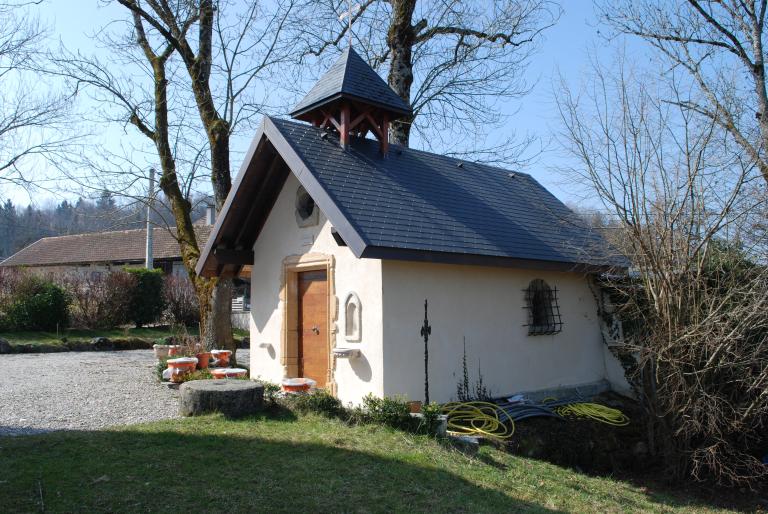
[
  {"x": 337, "y": 237},
  {"x": 374, "y": 126},
  {"x": 384, "y": 147},
  {"x": 329, "y": 118},
  {"x": 261, "y": 203},
  {"x": 229, "y": 256},
  {"x": 345, "y": 125},
  {"x": 360, "y": 118}
]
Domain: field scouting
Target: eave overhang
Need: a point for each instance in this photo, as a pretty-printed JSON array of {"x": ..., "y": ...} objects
[{"x": 258, "y": 183}]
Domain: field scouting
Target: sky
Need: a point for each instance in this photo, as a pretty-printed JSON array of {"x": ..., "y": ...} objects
[{"x": 566, "y": 50}]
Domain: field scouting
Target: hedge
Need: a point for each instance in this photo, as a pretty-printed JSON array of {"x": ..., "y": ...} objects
[
  {"x": 34, "y": 304},
  {"x": 146, "y": 299}
]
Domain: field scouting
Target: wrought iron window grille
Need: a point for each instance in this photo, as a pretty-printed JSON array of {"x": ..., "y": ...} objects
[{"x": 543, "y": 309}]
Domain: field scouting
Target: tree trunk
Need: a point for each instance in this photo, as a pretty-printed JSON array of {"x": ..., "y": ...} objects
[
  {"x": 400, "y": 39},
  {"x": 218, "y": 329},
  {"x": 214, "y": 296}
]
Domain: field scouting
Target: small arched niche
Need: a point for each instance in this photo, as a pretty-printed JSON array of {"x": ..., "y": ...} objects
[{"x": 353, "y": 320}]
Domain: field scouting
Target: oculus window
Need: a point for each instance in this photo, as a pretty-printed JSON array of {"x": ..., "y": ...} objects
[{"x": 306, "y": 210}]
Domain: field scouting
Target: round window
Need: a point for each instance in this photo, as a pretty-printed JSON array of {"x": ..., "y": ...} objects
[{"x": 305, "y": 205}]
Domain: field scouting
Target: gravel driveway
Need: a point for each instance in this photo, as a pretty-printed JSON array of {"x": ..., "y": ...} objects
[{"x": 82, "y": 391}]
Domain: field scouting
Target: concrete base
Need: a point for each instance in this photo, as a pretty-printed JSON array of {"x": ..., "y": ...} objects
[
  {"x": 233, "y": 398},
  {"x": 466, "y": 444},
  {"x": 586, "y": 391}
]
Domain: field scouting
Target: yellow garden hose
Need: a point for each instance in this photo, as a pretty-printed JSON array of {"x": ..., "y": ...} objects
[
  {"x": 593, "y": 411},
  {"x": 477, "y": 419}
]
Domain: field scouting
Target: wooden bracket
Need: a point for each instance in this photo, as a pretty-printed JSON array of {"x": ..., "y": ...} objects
[{"x": 237, "y": 257}]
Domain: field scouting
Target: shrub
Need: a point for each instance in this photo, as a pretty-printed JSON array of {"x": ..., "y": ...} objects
[
  {"x": 271, "y": 391},
  {"x": 708, "y": 340},
  {"x": 35, "y": 304},
  {"x": 10, "y": 280},
  {"x": 161, "y": 365},
  {"x": 393, "y": 412},
  {"x": 146, "y": 301},
  {"x": 181, "y": 304},
  {"x": 198, "y": 374},
  {"x": 99, "y": 300},
  {"x": 430, "y": 421},
  {"x": 318, "y": 401}
]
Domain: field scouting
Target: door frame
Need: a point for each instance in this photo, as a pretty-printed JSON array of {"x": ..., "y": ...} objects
[{"x": 289, "y": 300}]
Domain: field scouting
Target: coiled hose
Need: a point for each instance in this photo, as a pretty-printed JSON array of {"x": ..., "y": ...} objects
[
  {"x": 593, "y": 411},
  {"x": 478, "y": 419}
]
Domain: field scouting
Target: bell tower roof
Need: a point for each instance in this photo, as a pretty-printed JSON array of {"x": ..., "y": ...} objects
[{"x": 351, "y": 78}]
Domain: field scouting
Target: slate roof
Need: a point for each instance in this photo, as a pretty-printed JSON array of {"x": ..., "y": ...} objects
[
  {"x": 101, "y": 247},
  {"x": 351, "y": 77},
  {"x": 423, "y": 201},
  {"x": 411, "y": 205}
]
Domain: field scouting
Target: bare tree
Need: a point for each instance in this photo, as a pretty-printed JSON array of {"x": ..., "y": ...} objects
[
  {"x": 200, "y": 62},
  {"x": 720, "y": 46},
  {"x": 453, "y": 61},
  {"x": 32, "y": 124},
  {"x": 695, "y": 344}
]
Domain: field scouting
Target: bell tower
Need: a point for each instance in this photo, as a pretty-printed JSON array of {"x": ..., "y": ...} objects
[{"x": 352, "y": 100}]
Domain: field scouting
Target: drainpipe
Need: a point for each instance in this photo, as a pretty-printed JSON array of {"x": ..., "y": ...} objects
[{"x": 149, "y": 263}]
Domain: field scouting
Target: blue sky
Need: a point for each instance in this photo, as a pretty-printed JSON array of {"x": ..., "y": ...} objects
[{"x": 566, "y": 49}]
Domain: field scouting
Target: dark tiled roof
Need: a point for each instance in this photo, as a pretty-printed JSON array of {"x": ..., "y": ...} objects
[
  {"x": 351, "y": 77},
  {"x": 415, "y": 200},
  {"x": 101, "y": 247}
]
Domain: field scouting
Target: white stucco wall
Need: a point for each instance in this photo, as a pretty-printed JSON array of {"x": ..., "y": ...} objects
[
  {"x": 485, "y": 305},
  {"x": 280, "y": 238}
]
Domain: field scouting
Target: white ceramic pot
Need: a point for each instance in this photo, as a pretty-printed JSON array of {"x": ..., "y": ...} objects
[{"x": 161, "y": 350}]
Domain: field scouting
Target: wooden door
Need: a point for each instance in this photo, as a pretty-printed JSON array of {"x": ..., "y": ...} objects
[{"x": 313, "y": 326}]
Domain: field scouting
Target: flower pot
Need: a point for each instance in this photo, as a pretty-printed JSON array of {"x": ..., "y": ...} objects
[
  {"x": 161, "y": 351},
  {"x": 202, "y": 360},
  {"x": 221, "y": 357},
  {"x": 414, "y": 407},
  {"x": 181, "y": 367},
  {"x": 229, "y": 372},
  {"x": 174, "y": 349},
  {"x": 298, "y": 385}
]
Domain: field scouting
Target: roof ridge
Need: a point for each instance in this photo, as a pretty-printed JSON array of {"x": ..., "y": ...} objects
[
  {"x": 347, "y": 77},
  {"x": 394, "y": 147},
  {"x": 102, "y": 232}
]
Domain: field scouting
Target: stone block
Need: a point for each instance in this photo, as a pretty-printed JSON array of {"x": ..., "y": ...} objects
[{"x": 233, "y": 398}]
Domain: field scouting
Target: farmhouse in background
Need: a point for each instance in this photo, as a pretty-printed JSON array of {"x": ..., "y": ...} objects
[
  {"x": 97, "y": 252},
  {"x": 100, "y": 252},
  {"x": 348, "y": 236}
]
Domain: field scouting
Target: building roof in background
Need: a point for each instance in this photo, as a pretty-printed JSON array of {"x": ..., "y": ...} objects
[
  {"x": 409, "y": 205},
  {"x": 103, "y": 247},
  {"x": 351, "y": 77}
]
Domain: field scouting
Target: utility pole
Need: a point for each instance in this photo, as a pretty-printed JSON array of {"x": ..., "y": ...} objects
[{"x": 149, "y": 263}]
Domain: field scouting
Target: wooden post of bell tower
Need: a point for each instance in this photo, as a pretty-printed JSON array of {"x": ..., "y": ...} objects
[{"x": 345, "y": 125}]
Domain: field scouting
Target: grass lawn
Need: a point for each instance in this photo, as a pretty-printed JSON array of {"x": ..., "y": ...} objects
[
  {"x": 148, "y": 333},
  {"x": 308, "y": 464}
]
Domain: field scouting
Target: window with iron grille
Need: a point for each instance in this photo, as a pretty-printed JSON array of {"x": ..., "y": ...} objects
[{"x": 543, "y": 310}]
